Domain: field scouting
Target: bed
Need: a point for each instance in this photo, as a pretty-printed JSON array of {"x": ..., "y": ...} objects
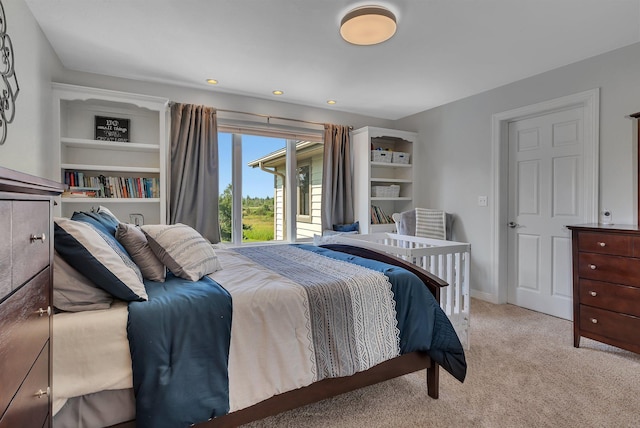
[{"x": 271, "y": 319}]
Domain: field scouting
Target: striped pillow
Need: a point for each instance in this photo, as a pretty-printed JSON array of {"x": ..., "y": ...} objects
[
  {"x": 182, "y": 250},
  {"x": 98, "y": 256}
]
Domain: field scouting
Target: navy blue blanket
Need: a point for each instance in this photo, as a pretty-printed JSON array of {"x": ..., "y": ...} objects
[
  {"x": 179, "y": 341},
  {"x": 422, "y": 323}
]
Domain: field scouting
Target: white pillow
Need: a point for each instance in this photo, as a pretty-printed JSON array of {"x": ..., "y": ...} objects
[
  {"x": 73, "y": 292},
  {"x": 182, "y": 250}
]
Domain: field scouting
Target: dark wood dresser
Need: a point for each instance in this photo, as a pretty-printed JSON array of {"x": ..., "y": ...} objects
[
  {"x": 606, "y": 284},
  {"x": 26, "y": 273}
]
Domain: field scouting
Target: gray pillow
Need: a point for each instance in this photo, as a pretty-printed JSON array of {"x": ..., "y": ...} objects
[
  {"x": 406, "y": 224},
  {"x": 135, "y": 242},
  {"x": 73, "y": 292},
  {"x": 182, "y": 249}
]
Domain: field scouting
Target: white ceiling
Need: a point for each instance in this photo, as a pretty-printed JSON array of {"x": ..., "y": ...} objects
[{"x": 443, "y": 50}]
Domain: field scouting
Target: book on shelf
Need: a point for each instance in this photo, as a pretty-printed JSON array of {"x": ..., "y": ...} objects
[
  {"x": 81, "y": 192},
  {"x": 82, "y": 185},
  {"x": 378, "y": 216}
]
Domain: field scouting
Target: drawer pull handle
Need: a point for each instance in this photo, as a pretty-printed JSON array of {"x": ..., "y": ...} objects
[
  {"x": 602, "y": 244},
  {"x": 47, "y": 311},
  {"x": 592, "y": 267},
  {"x": 593, "y": 320},
  {"x": 593, "y": 293},
  {"x": 40, "y": 238},
  {"x": 42, "y": 393}
]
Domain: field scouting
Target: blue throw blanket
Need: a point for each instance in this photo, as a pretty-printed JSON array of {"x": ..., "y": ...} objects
[{"x": 179, "y": 341}]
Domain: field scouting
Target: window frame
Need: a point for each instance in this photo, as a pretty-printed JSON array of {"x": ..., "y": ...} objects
[
  {"x": 304, "y": 218},
  {"x": 291, "y": 136}
]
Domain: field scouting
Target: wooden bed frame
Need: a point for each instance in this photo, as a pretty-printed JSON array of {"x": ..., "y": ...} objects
[{"x": 326, "y": 388}]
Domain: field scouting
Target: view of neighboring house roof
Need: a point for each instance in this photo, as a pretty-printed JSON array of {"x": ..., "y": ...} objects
[{"x": 304, "y": 149}]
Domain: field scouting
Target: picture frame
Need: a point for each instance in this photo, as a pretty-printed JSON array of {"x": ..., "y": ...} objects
[{"x": 112, "y": 129}]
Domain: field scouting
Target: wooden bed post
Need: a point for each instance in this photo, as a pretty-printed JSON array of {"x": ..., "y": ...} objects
[{"x": 433, "y": 380}]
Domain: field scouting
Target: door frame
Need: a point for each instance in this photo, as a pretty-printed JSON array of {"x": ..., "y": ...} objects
[{"x": 590, "y": 101}]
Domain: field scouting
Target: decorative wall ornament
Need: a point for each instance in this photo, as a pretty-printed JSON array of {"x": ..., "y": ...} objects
[{"x": 9, "y": 87}]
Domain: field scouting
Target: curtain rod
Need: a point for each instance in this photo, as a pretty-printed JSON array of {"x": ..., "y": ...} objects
[{"x": 267, "y": 116}]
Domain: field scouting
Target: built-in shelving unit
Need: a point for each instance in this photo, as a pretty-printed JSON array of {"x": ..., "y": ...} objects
[
  {"x": 134, "y": 164},
  {"x": 371, "y": 176}
]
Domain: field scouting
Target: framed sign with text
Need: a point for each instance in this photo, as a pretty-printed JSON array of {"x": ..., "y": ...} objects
[{"x": 112, "y": 129}]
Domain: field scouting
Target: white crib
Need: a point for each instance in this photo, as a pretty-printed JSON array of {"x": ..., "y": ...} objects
[{"x": 448, "y": 260}]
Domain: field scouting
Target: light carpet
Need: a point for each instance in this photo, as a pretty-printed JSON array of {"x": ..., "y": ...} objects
[{"x": 523, "y": 372}]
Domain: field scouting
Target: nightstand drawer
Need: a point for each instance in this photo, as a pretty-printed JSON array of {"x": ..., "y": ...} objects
[
  {"x": 618, "y": 298},
  {"x": 620, "y": 327},
  {"x": 24, "y": 330},
  {"x": 30, "y": 407},
  {"x": 30, "y": 224},
  {"x": 618, "y": 245},
  {"x": 619, "y": 270}
]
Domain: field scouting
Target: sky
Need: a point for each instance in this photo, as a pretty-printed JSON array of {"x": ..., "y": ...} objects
[{"x": 255, "y": 183}]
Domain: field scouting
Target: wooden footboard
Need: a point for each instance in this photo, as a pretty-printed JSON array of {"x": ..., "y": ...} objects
[{"x": 331, "y": 387}]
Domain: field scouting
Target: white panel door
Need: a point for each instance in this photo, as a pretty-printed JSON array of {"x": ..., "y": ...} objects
[{"x": 545, "y": 174}]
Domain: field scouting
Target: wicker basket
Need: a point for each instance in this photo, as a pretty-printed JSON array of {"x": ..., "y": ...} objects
[
  {"x": 392, "y": 191},
  {"x": 381, "y": 156},
  {"x": 400, "y": 157}
]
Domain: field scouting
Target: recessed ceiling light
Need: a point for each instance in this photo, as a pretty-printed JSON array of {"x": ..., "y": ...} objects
[
  {"x": 368, "y": 25},
  {"x": 331, "y": 102},
  {"x": 278, "y": 92},
  {"x": 212, "y": 81}
]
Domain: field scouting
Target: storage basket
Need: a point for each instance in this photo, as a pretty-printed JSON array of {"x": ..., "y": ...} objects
[
  {"x": 392, "y": 191},
  {"x": 400, "y": 157},
  {"x": 381, "y": 156}
]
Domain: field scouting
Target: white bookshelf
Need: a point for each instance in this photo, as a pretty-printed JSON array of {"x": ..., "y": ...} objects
[
  {"x": 368, "y": 173},
  {"x": 143, "y": 156}
]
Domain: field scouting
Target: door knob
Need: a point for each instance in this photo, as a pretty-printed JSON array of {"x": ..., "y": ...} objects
[{"x": 513, "y": 224}]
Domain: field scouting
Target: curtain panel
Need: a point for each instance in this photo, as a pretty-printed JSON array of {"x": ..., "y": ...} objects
[
  {"x": 194, "y": 169},
  {"x": 337, "y": 187}
]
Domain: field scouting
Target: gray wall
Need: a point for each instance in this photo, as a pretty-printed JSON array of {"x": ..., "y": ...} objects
[
  {"x": 456, "y": 143},
  {"x": 35, "y": 62}
]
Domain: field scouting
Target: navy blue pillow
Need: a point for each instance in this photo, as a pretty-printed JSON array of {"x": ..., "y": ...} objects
[
  {"x": 352, "y": 227},
  {"x": 104, "y": 221},
  {"x": 98, "y": 256}
]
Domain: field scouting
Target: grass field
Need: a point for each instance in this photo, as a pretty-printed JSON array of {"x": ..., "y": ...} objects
[{"x": 261, "y": 227}]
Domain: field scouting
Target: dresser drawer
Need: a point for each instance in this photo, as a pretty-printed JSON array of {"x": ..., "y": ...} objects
[
  {"x": 612, "y": 325},
  {"x": 23, "y": 333},
  {"x": 618, "y": 245},
  {"x": 30, "y": 220},
  {"x": 618, "y": 298},
  {"x": 619, "y": 270},
  {"x": 30, "y": 407}
]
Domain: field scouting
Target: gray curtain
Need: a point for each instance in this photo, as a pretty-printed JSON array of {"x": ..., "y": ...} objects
[
  {"x": 194, "y": 169},
  {"x": 337, "y": 187}
]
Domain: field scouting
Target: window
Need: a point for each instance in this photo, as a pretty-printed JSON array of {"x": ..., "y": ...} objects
[
  {"x": 304, "y": 193},
  {"x": 255, "y": 202}
]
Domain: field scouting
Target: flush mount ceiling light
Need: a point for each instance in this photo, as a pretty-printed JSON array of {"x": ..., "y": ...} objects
[
  {"x": 212, "y": 81},
  {"x": 278, "y": 92},
  {"x": 332, "y": 102},
  {"x": 368, "y": 25}
]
